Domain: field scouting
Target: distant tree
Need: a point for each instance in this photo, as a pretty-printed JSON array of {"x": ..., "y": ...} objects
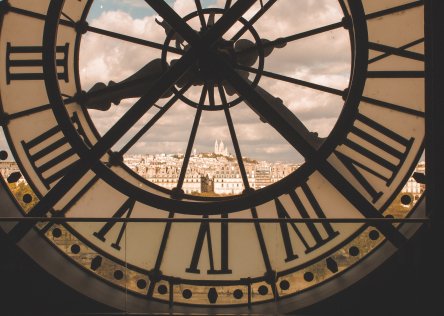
[
  {"x": 24, "y": 195},
  {"x": 206, "y": 194},
  {"x": 401, "y": 206}
]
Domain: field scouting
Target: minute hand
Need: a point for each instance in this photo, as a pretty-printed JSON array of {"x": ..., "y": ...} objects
[
  {"x": 278, "y": 116},
  {"x": 281, "y": 42},
  {"x": 282, "y": 110}
]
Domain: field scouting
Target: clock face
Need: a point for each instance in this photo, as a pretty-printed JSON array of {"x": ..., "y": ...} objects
[{"x": 234, "y": 62}]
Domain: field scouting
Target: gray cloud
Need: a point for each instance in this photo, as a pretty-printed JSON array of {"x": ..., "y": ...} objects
[{"x": 323, "y": 59}]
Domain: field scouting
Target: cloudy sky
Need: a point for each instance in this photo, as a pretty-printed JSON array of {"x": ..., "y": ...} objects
[{"x": 323, "y": 59}]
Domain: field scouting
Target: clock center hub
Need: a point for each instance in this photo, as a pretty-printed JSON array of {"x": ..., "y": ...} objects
[
  {"x": 204, "y": 70},
  {"x": 202, "y": 76}
]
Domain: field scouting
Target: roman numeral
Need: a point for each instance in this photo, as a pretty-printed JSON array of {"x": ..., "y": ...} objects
[
  {"x": 384, "y": 165},
  {"x": 313, "y": 236},
  {"x": 396, "y": 9},
  {"x": 50, "y": 153},
  {"x": 125, "y": 210},
  {"x": 401, "y": 51},
  {"x": 203, "y": 235},
  {"x": 26, "y": 62}
]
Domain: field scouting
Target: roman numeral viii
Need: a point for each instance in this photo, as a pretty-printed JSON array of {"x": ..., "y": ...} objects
[
  {"x": 205, "y": 234},
  {"x": 26, "y": 62},
  {"x": 311, "y": 235},
  {"x": 371, "y": 148},
  {"x": 50, "y": 153}
]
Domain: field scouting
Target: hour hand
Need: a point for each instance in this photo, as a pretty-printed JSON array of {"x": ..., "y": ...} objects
[
  {"x": 281, "y": 110},
  {"x": 101, "y": 96}
]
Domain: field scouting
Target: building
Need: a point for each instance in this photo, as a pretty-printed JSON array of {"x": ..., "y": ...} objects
[
  {"x": 7, "y": 168},
  {"x": 412, "y": 186},
  {"x": 220, "y": 149}
]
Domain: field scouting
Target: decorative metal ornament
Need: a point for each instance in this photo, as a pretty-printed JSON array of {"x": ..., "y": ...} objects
[{"x": 283, "y": 246}]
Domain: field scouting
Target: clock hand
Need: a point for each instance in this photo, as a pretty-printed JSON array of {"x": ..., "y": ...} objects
[
  {"x": 283, "y": 41},
  {"x": 270, "y": 109},
  {"x": 247, "y": 52},
  {"x": 279, "y": 108},
  {"x": 100, "y": 96}
]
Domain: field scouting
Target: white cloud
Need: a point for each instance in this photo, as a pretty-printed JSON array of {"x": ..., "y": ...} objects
[{"x": 323, "y": 59}]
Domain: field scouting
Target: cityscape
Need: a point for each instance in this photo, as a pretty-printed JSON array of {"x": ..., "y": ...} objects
[
  {"x": 216, "y": 173},
  {"x": 211, "y": 174}
]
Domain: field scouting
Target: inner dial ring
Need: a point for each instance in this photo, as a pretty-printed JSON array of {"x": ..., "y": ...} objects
[
  {"x": 201, "y": 74},
  {"x": 187, "y": 204}
]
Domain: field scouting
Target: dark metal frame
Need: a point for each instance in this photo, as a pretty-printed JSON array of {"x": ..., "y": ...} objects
[
  {"x": 251, "y": 199},
  {"x": 367, "y": 220},
  {"x": 434, "y": 45},
  {"x": 61, "y": 220}
]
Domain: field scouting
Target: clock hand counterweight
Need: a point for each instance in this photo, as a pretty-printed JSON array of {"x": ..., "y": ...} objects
[
  {"x": 247, "y": 52},
  {"x": 100, "y": 96}
]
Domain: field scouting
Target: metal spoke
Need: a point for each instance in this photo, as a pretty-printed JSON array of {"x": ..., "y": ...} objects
[
  {"x": 228, "y": 20},
  {"x": 309, "y": 33},
  {"x": 134, "y": 40},
  {"x": 91, "y": 157},
  {"x": 100, "y": 31},
  {"x": 286, "y": 129},
  {"x": 81, "y": 167},
  {"x": 254, "y": 19},
  {"x": 37, "y": 109},
  {"x": 174, "y": 20},
  {"x": 284, "y": 125},
  {"x": 161, "y": 253},
  {"x": 153, "y": 120},
  {"x": 211, "y": 95},
  {"x": 35, "y": 15},
  {"x": 234, "y": 139},
  {"x": 203, "y": 23},
  {"x": 333, "y": 91},
  {"x": 293, "y": 80},
  {"x": 192, "y": 138},
  {"x": 262, "y": 245},
  {"x": 297, "y": 36},
  {"x": 214, "y": 34},
  {"x": 139, "y": 109}
]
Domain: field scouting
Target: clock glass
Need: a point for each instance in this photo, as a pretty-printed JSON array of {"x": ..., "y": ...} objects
[{"x": 204, "y": 154}]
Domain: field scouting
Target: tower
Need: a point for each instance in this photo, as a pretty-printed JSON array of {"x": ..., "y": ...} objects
[{"x": 216, "y": 147}]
